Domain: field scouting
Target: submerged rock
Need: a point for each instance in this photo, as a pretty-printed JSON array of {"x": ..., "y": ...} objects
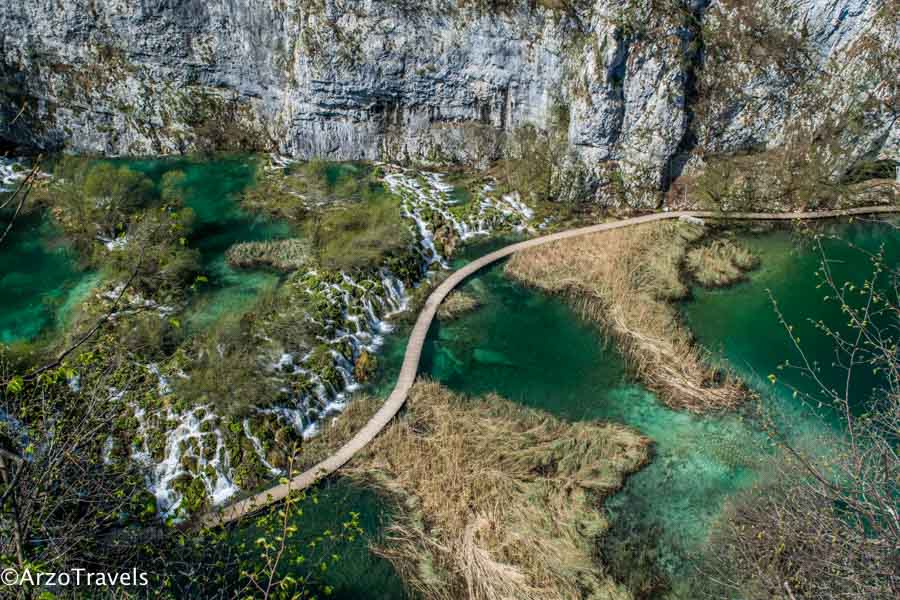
[{"x": 491, "y": 357}]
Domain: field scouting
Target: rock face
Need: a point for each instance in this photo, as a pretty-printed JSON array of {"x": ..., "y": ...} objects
[{"x": 644, "y": 84}]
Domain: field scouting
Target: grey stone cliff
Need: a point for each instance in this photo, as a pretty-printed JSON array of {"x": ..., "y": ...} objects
[{"x": 646, "y": 85}]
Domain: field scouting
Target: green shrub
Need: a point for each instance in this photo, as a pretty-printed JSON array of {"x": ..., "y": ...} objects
[
  {"x": 294, "y": 193},
  {"x": 156, "y": 251},
  {"x": 359, "y": 236},
  {"x": 225, "y": 370},
  {"x": 97, "y": 200}
]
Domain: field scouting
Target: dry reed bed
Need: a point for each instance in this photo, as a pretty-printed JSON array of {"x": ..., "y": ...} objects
[
  {"x": 720, "y": 263},
  {"x": 281, "y": 255},
  {"x": 498, "y": 501},
  {"x": 456, "y": 305},
  {"x": 626, "y": 280}
]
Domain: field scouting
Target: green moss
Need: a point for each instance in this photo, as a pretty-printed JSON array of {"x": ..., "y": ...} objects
[
  {"x": 156, "y": 443},
  {"x": 194, "y": 498}
]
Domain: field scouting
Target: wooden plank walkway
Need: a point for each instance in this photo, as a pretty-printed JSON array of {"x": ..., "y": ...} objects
[{"x": 410, "y": 366}]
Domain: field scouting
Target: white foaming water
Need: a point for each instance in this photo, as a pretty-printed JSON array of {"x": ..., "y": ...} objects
[
  {"x": 14, "y": 170},
  {"x": 257, "y": 447},
  {"x": 187, "y": 440},
  {"x": 11, "y": 172},
  {"x": 114, "y": 244},
  {"x": 364, "y": 308},
  {"x": 433, "y": 197}
]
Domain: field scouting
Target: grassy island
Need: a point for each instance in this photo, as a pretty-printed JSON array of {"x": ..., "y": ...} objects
[
  {"x": 497, "y": 500},
  {"x": 626, "y": 280}
]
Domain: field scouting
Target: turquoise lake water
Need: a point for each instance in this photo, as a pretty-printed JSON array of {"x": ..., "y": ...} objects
[
  {"x": 534, "y": 349},
  {"x": 39, "y": 279},
  {"x": 530, "y": 348},
  {"x": 212, "y": 189},
  {"x": 357, "y": 574}
]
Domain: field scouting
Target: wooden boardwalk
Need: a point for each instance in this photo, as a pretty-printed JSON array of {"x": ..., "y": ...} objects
[{"x": 410, "y": 366}]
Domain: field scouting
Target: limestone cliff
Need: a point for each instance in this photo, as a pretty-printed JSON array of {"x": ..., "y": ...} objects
[{"x": 646, "y": 85}]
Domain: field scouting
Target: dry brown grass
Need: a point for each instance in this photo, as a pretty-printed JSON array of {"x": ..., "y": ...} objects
[
  {"x": 457, "y": 304},
  {"x": 625, "y": 279},
  {"x": 720, "y": 263},
  {"x": 337, "y": 431},
  {"x": 281, "y": 255},
  {"x": 498, "y": 501}
]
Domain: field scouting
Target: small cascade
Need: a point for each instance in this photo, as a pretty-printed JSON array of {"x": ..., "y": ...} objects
[
  {"x": 257, "y": 447},
  {"x": 14, "y": 428},
  {"x": 352, "y": 315},
  {"x": 14, "y": 170},
  {"x": 187, "y": 440},
  {"x": 278, "y": 162},
  {"x": 359, "y": 313},
  {"x": 11, "y": 172},
  {"x": 427, "y": 201}
]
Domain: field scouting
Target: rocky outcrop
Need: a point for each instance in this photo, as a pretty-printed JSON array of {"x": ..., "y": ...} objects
[
  {"x": 801, "y": 70},
  {"x": 646, "y": 84}
]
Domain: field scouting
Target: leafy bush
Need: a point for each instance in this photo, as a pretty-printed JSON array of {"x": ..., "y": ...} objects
[
  {"x": 156, "y": 252},
  {"x": 97, "y": 200},
  {"x": 225, "y": 371},
  {"x": 294, "y": 193},
  {"x": 359, "y": 236}
]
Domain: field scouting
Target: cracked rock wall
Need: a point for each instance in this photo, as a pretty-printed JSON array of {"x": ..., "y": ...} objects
[{"x": 646, "y": 82}]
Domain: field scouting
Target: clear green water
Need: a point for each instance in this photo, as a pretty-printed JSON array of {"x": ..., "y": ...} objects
[
  {"x": 358, "y": 574},
  {"x": 534, "y": 349},
  {"x": 40, "y": 284},
  {"x": 212, "y": 189},
  {"x": 39, "y": 279},
  {"x": 740, "y": 324}
]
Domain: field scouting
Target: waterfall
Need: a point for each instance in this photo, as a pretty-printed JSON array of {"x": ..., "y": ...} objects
[
  {"x": 357, "y": 323},
  {"x": 257, "y": 447}
]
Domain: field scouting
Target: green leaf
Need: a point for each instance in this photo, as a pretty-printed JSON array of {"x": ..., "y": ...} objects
[{"x": 16, "y": 385}]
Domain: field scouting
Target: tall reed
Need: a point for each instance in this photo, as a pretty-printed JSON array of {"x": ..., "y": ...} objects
[{"x": 626, "y": 280}]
